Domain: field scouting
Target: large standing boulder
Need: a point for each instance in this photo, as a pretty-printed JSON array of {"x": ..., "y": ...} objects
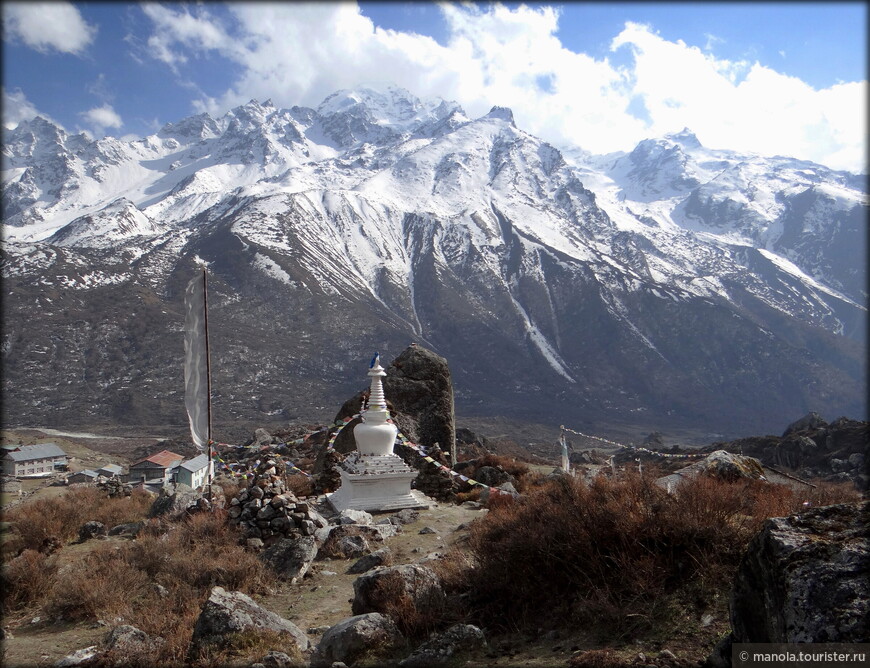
[
  {"x": 174, "y": 500},
  {"x": 412, "y": 585},
  {"x": 420, "y": 395},
  {"x": 230, "y": 612},
  {"x": 804, "y": 579},
  {"x": 291, "y": 558},
  {"x": 370, "y": 636}
]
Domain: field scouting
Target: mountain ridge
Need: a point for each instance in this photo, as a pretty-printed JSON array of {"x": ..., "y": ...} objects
[{"x": 677, "y": 281}]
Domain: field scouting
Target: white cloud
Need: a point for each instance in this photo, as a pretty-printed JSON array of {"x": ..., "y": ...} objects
[
  {"x": 17, "y": 108},
  {"x": 298, "y": 53},
  {"x": 746, "y": 107},
  {"x": 47, "y": 26},
  {"x": 100, "y": 118}
]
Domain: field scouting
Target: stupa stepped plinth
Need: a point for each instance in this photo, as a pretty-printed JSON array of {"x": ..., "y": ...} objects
[{"x": 374, "y": 478}]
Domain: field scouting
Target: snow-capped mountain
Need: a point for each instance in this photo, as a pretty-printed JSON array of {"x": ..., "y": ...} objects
[{"x": 672, "y": 285}]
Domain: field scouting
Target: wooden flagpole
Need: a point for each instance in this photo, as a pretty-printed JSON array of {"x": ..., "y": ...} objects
[{"x": 207, "y": 380}]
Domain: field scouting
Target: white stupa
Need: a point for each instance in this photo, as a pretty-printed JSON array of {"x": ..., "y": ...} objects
[{"x": 373, "y": 477}]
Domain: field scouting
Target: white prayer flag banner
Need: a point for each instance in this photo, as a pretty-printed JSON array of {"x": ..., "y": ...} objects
[{"x": 196, "y": 384}]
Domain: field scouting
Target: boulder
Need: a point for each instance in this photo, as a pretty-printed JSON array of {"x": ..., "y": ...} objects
[
  {"x": 173, "y": 501},
  {"x": 406, "y": 516},
  {"x": 368, "y": 636},
  {"x": 507, "y": 488},
  {"x": 811, "y": 420},
  {"x": 131, "y": 641},
  {"x": 351, "y": 516},
  {"x": 804, "y": 579},
  {"x": 492, "y": 476},
  {"x": 92, "y": 530},
  {"x": 276, "y": 659},
  {"x": 291, "y": 558},
  {"x": 381, "y": 557},
  {"x": 420, "y": 394},
  {"x": 232, "y": 612},
  {"x": 129, "y": 529},
  {"x": 261, "y": 437},
  {"x": 445, "y": 648},
  {"x": 78, "y": 657},
  {"x": 382, "y": 589},
  {"x": 336, "y": 544},
  {"x": 728, "y": 466}
]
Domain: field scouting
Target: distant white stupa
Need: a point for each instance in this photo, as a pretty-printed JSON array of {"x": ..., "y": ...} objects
[{"x": 373, "y": 477}]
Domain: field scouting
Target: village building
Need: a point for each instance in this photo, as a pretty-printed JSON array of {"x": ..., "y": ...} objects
[
  {"x": 110, "y": 470},
  {"x": 85, "y": 475},
  {"x": 194, "y": 472},
  {"x": 34, "y": 460},
  {"x": 158, "y": 468}
]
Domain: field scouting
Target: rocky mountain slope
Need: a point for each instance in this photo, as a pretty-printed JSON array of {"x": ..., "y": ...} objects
[{"x": 670, "y": 285}]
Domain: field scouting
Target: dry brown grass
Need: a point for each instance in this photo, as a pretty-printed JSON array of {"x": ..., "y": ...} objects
[
  {"x": 243, "y": 648},
  {"x": 47, "y": 521},
  {"x": 157, "y": 582},
  {"x": 300, "y": 485}
]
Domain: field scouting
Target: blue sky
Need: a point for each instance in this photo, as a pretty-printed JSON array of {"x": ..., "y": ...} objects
[{"x": 776, "y": 78}]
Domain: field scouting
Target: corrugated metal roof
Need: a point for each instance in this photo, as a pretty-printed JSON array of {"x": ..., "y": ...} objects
[
  {"x": 195, "y": 464},
  {"x": 111, "y": 468},
  {"x": 87, "y": 472},
  {"x": 164, "y": 458},
  {"x": 40, "y": 451}
]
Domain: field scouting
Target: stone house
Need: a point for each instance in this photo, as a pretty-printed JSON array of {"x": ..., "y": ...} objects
[
  {"x": 34, "y": 460},
  {"x": 194, "y": 472},
  {"x": 160, "y": 467}
]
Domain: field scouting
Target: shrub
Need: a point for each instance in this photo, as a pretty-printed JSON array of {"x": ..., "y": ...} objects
[
  {"x": 45, "y": 523},
  {"x": 25, "y": 579},
  {"x": 614, "y": 552}
]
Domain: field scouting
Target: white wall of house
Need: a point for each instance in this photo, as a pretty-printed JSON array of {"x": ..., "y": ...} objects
[
  {"x": 30, "y": 467},
  {"x": 193, "y": 478}
]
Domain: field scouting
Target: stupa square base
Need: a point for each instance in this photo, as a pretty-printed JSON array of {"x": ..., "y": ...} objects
[{"x": 377, "y": 493}]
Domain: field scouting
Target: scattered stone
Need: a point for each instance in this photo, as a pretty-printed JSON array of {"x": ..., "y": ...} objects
[
  {"x": 78, "y": 657},
  {"x": 406, "y": 516},
  {"x": 130, "y": 529},
  {"x": 426, "y": 530},
  {"x": 351, "y": 516},
  {"x": 471, "y": 505},
  {"x": 444, "y": 649},
  {"x": 92, "y": 530},
  {"x": 366, "y": 636},
  {"x": 361, "y": 535},
  {"x": 381, "y": 557},
  {"x": 492, "y": 476},
  {"x": 276, "y": 659},
  {"x": 291, "y": 558},
  {"x": 232, "y": 612},
  {"x": 130, "y": 640}
]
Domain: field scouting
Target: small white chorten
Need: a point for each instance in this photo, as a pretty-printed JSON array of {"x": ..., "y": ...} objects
[{"x": 373, "y": 477}]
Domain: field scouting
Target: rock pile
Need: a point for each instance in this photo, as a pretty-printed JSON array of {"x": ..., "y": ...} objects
[
  {"x": 113, "y": 487},
  {"x": 267, "y": 511},
  {"x": 838, "y": 451}
]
